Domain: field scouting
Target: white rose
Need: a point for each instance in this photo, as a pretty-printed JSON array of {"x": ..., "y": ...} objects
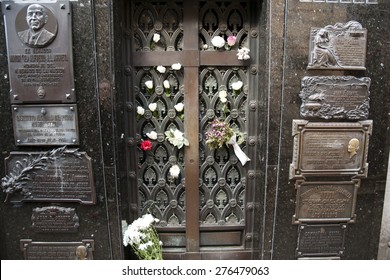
[
  {"x": 237, "y": 85},
  {"x": 152, "y": 106},
  {"x": 174, "y": 171},
  {"x": 156, "y": 37},
  {"x": 161, "y": 69},
  {"x": 152, "y": 135},
  {"x": 166, "y": 84},
  {"x": 176, "y": 66},
  {"x": 140, "y": 110},
  {"x": 179, "y": 107},
  {"x": 218, "y": 41},
  {"x": 149, "y": 84},
  {"x": 223, "y": 99}
]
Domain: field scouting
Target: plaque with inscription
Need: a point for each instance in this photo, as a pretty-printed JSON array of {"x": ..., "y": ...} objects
[
  {"x": 78, "y": 250},
  {"x": 39, "y": 47},
  {"x": 53, "y": 219},
  {"x": 335, "y": 97},
  {"x": 326, "y": 201},
  {"x": 330, "y": 148},
  {"x": 321, "y": 240},
  {"x": 56, "y": 176},
  {"x": 339, "y": 46},
  {"x": 45, "y": 125}
]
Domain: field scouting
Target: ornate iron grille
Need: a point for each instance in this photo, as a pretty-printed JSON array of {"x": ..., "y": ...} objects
[
  {"x": 222, "y": 175},
  {"x": 222, "y": 182}
]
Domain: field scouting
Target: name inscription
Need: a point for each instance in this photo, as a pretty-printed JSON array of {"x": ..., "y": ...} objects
[
  {"x": 67, "y": 178},
  {"x": 321, "y": 240},
  {"x": 45, "y": 125},
  {"x": 330, "y": 148},
  {"x": 54, "y": 219},
  {"x": 33, "y": 250},
  {"x": 326, "y": 201}
]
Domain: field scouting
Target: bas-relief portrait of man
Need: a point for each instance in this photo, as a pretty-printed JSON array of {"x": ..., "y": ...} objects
[{"x": 38, "y": 33}]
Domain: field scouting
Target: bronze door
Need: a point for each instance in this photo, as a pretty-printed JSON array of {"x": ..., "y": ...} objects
[{"x": 207, "y": 211}]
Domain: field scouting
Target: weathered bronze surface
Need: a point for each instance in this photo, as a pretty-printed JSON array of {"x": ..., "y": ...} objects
[
  {"x": 326, "y": 201},
  {"x": 45, "y": 125},
  {"x": 335, "y": 97},
  {"x": 39, "y": 60},
  {"x": 54, "y": 219},
  {"x": 330, "y": 148},
  {"x": 339, "y": 46},
  {"x": 33, "y": 250},
  {"x": 67, "y": 177},
  {"x": 321, "y": 240}
]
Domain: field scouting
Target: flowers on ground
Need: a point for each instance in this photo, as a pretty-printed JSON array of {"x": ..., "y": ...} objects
[
  {"x": 142, "y": 236},
  {"x": 176, "y": 138}
]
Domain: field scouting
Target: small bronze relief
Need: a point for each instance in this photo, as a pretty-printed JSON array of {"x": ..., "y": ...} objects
[
  {"x": 335, "y": 97},
  {"x": 330, "y": 149},
  {"x": 39, "y": 19},
  {"x": 339, "y": 46}
]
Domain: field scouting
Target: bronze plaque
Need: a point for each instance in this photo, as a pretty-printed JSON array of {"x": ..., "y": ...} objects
[
  {"x": 339, "y": 46},
  {"x": 321, "y": 240},
  {"x": 330, "y": 148},
  {"x": 53, "y": 219},
  {"x": 326, "y": 201},
  {"x": 45, "y": 125},
  {"x": 78, "y": 250},
  {"x": 335, "y": 97},
  {"x": 39, "y": 47},
  {"x": 57, "y": 175}
]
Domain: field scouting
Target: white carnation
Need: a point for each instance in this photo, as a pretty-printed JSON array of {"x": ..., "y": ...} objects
[
  {"x": 176, "y": 66},
  {"x": 140, "y": 110},
  {"x": 174, "y": 171},
  {"x": 152, "y": 135}
]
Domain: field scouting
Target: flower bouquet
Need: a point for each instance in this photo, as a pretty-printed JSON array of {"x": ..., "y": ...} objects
[
  {"x": 143, "y": 238},
  {"x": 221, "y": 133}
]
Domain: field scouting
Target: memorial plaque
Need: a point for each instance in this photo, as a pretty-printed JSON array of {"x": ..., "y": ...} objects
[
  {"x": 56, "y": 176},
  {"x": 330, "y": 148},
  {"x": 339, "y": 46},
  {"x": 335, "y": 97},
  {"x": 326, "y": 201},
  {"x": 53, "y": 219},
  {"x": 78, "y": 250},
  {"x": 321, "y": 240},
  {"x": 45, "y": 125},
  {"x": 39, "y": 48}
]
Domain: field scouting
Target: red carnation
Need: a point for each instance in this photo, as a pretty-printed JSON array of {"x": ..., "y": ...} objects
[{"x": 146, "y": 145}]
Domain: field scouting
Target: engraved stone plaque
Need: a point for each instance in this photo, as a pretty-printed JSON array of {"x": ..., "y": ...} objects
[
  {"x": 330, "y": 148},
  {"x": 335, "y": 97},
  {"x": 45, "y": 125},
  {"x": 339, "y": 46},
  {"x": 326, "y": 201},
  {"x": 33, "y": 250},
  {"x": 321, "y": 240},
  {"x": 40, "y": 58},
  {"x": 56, "y": 176},
  {"x": 53, "y": 219}
]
